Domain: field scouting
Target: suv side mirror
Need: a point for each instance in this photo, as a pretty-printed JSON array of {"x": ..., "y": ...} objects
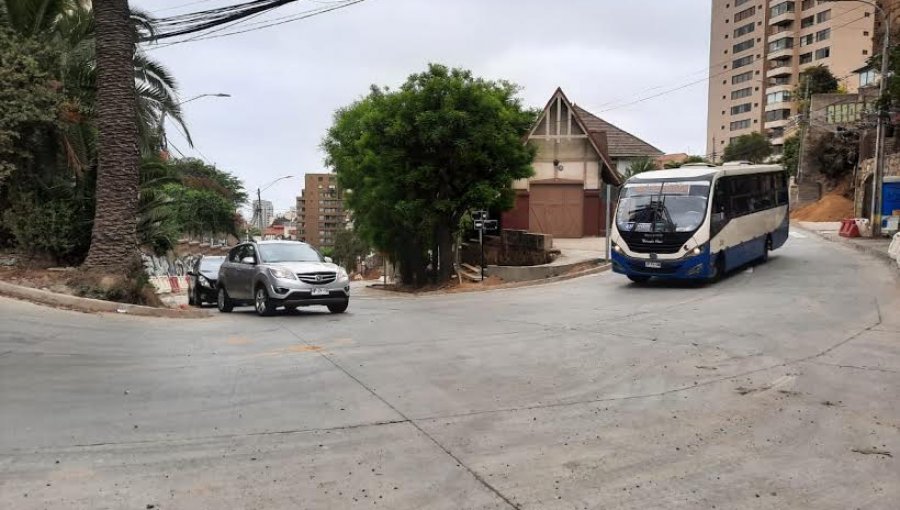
[
  {"x": 328, "y": 259},
  {"x": 248, "y": 260}
]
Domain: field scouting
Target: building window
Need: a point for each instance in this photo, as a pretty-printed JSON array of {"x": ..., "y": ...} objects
[
  {"x": 741, "y": 108},
  {"x": 739, "y": 47},
  {"x": 806, "y": 58},
  {"x": 867, "y": 78},
  {"x": 807, "y": 4},
  {"x": 741, "y": 78},
  {"x": 738, "y": 3},
  {"x": 844, "y": 113},
  {"x": 740, "y": 124},
  {"x": 774, "y": 115},
  {"x": 823, "y": 35},
  {"x": 823, "y": 16},
  {"x": 806, "y": 40},
  {"x": 746, "y": 13},
  {"x": 807, "y": 22},
  {"x": 823, "y": 53},
  {"x": 775, "y": 133},
  {"x": 782, "y": 8},
  {"x": 738, "y": 94},
  {"x": 778, "y": 97},
  {"x": 743, "y": 61},
  {"x": 744, "y": 30},
  {"x": 781, "y": 44}
]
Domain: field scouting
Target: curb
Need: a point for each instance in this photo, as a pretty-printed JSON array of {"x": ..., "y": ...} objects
[
  {"x": 868, "y": 250},
  {"x": 511, "y": 285},
  {"x": 88, "y": 305}
]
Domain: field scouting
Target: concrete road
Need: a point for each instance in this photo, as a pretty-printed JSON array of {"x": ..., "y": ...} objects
[{"x": 777, "y": 388}]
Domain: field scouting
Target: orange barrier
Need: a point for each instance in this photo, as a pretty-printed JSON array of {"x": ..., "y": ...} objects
[{"x": 849, "y": 228}]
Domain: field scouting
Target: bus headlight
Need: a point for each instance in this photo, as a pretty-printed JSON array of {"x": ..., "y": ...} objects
[
  {"x": 616, "y": 248},
  {"x": 696, "y": 251}
]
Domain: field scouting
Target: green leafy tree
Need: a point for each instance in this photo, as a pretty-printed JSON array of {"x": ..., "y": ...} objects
[
  {"x": 821, "y": 81},
  {"x": 753, "y": 147},
  {"x": 641, "y": 165},
  {"x": 685, "y": 161},
  {"x": 835, "y": 154},
  {"x": 417, "y": 158},
  {"x": 790, "y": 158},
  {"x": 349, "y": 248}
]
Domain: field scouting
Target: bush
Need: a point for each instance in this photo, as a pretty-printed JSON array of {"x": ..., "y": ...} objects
[
  {"x": 132, "y": 287},
  {"x": 50, "y": 227}
]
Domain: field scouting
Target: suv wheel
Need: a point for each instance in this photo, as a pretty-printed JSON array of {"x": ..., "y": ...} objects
[
  {"x": 264, "y": 304},
  {"x": 340, "y": 307},
  {"x": 224, "y": 302}
]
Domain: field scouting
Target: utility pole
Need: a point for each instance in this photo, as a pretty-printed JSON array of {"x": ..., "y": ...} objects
[
  {"x": 878, "y": 174},
  {"x": 715, "y": 155},
  {"x": 803, "y": 117},
  {"x": 609, "y": 220}
]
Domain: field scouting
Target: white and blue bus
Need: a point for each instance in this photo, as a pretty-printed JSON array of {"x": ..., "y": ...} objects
[{"x": 699, "y": 221}]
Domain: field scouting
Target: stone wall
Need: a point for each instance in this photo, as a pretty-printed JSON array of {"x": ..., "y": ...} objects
[
  {"x": 511, "y": 248},
  {"x": 863, "y": 189}
]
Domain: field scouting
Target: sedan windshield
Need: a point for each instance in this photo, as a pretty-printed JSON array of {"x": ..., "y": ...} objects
[
  {"x": 288, "y": 252},
  {"x": 662, "y": 206},
  {"x": 211, "y": 263}
]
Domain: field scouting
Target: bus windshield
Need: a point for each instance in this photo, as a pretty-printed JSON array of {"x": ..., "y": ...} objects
[{"x": 662, "y": 206}]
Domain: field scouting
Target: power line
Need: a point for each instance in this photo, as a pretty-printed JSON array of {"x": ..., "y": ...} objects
[{"x": 269, "y": 23}]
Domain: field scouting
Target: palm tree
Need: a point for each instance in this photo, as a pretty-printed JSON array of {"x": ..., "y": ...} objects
[
  {"x": 640, "y": 165},
  {"x": 113, "y": 239},
  {"x": 83, "y": 38}
]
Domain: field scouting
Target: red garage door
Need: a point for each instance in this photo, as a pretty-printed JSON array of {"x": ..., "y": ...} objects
[{"x": 556, "y": 209}]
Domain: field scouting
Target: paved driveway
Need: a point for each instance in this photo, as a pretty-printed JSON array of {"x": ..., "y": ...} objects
[{"x": 776, "y": 388}]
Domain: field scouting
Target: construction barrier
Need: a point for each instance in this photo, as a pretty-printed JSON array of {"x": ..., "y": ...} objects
[
  {"x": 849, "y": 228},
  {"x": 170, "y": 284}
]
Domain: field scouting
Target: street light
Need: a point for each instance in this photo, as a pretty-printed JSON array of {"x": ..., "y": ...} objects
[
  {"x": 216, "y": 94},
  {"x": 259, "y": 221},
  {"x": 880, "y": 130}
]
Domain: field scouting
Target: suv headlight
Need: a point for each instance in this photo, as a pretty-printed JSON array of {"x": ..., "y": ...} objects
[
  {"x": 280, "y": 272},
  {"x": 204, "y": 282},
  {"x": 342, "y": 274}
]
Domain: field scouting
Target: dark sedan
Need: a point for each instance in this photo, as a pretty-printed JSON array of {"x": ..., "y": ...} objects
[{"x": 202, "y": 278}]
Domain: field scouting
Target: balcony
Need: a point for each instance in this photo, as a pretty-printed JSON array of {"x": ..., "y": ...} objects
[
  {"x": 782, "y": 14},
  {"x": 783, "y": 67},
  {"x": 783, "y": 81}
]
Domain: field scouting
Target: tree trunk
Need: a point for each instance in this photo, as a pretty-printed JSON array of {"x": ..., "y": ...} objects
[{"x": 113, "y": 239}]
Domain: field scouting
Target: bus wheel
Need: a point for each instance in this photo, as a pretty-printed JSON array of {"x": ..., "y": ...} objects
[
  {"x": 718, "y": 270},
  {"x": 768, "y": 247},
  {"x": 638, "y": 278}
]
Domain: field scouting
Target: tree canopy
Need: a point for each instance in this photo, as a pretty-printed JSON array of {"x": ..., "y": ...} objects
[
  {"x": 641, "y": 164},
  {"x": 753, "y": 147},
  {"x": 416, "y": 159}
]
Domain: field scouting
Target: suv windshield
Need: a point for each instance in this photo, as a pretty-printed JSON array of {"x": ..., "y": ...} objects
[
  {"x": 288, "y": 252},
  {"x": 662, "y": 206}
]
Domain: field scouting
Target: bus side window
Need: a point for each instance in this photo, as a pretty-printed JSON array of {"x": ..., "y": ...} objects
[{"x": 720, "y": 209}]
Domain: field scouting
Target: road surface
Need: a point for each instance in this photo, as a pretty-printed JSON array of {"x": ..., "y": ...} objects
[{"x": 776, "y": 388}]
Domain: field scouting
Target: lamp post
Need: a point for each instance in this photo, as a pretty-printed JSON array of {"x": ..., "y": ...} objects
[
  {"x": 258, "y": 209},
  {"x": 881, "y": 128}
]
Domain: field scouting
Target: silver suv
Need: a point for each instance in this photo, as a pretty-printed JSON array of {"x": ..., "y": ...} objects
[{"x": 270, "y": 274}]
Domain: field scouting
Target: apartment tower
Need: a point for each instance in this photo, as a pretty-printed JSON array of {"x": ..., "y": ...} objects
[
  {"x": 758, "y": 49},
  {"x": 320, "y": 210}
]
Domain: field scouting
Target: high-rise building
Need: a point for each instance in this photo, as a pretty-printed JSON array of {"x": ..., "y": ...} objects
[
  {"x": 758, "y": 49},
  {"x": 320, "y": 210},
  {"x": 267, "y": 211}
]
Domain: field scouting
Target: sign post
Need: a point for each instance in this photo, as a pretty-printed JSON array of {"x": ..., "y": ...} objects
[{"x": 482, "y": 223}]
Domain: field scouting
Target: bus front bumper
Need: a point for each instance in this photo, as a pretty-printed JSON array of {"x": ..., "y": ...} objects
[{"x": 685, "y": 268}]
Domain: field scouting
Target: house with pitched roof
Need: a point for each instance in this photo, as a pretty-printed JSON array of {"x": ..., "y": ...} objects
[{"x": 578, "y": 153}]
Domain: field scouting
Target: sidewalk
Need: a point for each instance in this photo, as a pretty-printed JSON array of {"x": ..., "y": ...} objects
[{"x": 880, "y": 247}]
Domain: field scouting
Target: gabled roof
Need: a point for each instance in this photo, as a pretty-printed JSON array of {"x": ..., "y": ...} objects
[
  {"x": 621, "y": 142},
  {"x": 597, "y": 140}
]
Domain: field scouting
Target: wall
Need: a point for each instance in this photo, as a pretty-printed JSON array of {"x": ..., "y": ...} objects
[
  {"x": 510, "y": 248},
  {"x": 891, "y": 168}
]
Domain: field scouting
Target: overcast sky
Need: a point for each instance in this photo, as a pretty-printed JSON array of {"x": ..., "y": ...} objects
[{"x": 286, "y": 81}]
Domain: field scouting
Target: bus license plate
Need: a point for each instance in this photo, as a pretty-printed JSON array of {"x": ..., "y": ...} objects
[
  {"x": 653, "y": 265},
  {"x": 320, "y": 292}
]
